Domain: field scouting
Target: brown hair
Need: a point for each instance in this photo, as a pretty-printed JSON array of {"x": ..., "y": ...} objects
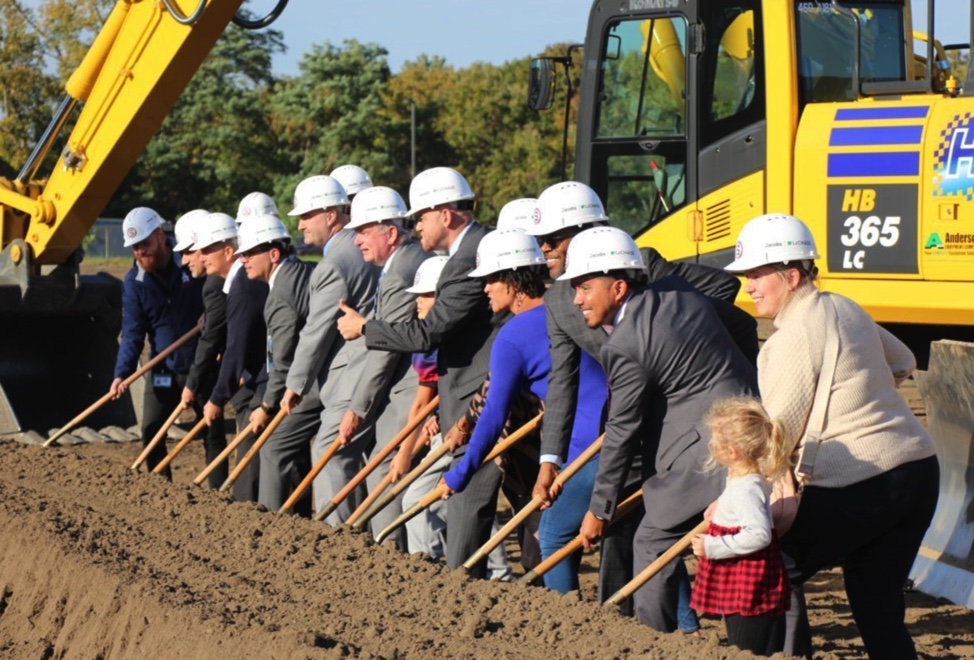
[{"x": 742, "y": 422}]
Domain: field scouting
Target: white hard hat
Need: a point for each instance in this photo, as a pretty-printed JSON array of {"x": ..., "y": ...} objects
[
  {"x": 435, "y": 186},
  {"x": 318, "y": 192},
  {"x": 261, "y": 229},
  {"x": 506, "y": 249},
  {"x": 186, "y": 228},
  {"x": 138, "y": 224},
  {"x": 601, "y": 250},
  {"x": 427, "y": 275},
  {"x": 353, "y": 178},
  {"x": 771, "y": 239},
  {"x": 519, "y": 214},
  {"x": 377, "y": 204},
  {"x": 255, "y": 203},
  {"x": 567, "y": 204},
  {"x": 214, "y": 228}
]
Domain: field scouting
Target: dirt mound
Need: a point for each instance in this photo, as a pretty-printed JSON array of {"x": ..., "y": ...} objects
[{"x": 102, "y": 562}]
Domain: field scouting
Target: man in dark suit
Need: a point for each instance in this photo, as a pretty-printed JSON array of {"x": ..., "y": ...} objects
[
  {"x": 381, "y": 393},
  {"x": 267, "y": 255},
  {"x": 245, "y": 347},
  {"x": 459, "y": 325},
  {"x": 667, "y": 360}
]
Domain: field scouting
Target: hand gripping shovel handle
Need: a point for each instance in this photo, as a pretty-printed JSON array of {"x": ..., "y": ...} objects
[
  {"x": 624, "y": 508},
  {"x": 438, "y": 492},
  {"x": 237, "y": 440},
  {"x": 315, "y": 470},
  {"x": 367, "y": 509},
  {"x": 163, "y": 354},
  {"x": 159, "y": 436},
  {"x": 164, "y": 463},
  {"x": 533, "y": 505},
  {"x": 657, "y": 565},
  {"x": 249, "y": 456},
  {"x": 374, "y": 462}
]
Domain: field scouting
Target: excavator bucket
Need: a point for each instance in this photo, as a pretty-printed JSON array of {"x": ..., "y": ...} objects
[
  {"x": 945, "y": 564},
  {"x": 58, "y": 340}
]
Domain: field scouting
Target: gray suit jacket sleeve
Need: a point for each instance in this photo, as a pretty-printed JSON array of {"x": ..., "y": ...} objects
[
  {"x": 282, "y": 321},
  {"x": 456, "y": 300},
  {"x": 562, "y": 389},
  {"x": 397, "y": 305},
  {"x": 708, "y": 281},
  {"x": 629, "y": 385},
  {"x": 319, "y": 333}
]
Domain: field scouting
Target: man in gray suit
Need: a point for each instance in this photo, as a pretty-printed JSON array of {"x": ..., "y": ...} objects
[
  {"x": 383, "y": 391},
  {"x": 265, "y": 251},
  {"x": 459, "y": 325},
  {"x": 323, "y": 361},
  {"x": 667, "y": 360}
]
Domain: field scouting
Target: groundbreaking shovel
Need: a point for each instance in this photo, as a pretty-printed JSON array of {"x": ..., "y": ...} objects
[{"x": 163, "y": 354}]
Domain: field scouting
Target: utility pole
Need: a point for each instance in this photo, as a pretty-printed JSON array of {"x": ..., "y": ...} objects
[{"x": 412, "y": 136}]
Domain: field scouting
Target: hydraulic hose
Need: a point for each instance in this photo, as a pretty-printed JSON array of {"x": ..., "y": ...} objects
[
  {"x": 185, "y": 20},
  {"x": 260, "y": 23}
]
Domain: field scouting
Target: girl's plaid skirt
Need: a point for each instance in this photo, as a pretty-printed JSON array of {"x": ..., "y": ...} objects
[{"x": 750, "y": 585}]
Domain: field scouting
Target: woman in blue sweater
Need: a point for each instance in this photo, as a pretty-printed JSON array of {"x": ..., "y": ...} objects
[{"x": 520, "y": 360}]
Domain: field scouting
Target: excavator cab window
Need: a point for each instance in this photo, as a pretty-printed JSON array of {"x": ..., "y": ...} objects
[
  {"x": 826, "y": 47},
  {"x": 641, "y": 120},
  {"x": 643, "y": 90}
]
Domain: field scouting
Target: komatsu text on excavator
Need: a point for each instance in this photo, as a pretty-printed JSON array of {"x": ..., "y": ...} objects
[{"x": 697, "y": 115}]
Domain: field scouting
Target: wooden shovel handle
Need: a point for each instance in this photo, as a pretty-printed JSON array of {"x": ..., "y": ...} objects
[
  {"x": 534, "y": 504},
  {"x": 224, "y": 455},
  {"x": 624, "y": 508},
  {"x": 249, "y": 456},
  {"x": 158, "y": 436},
  {"x": 164, "y": 463},
  {"x": 145, "y": 368},
  {"x": 659, "y": 564}
]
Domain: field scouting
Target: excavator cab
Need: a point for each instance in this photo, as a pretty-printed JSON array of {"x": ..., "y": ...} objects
[{"x": 696, "y": 116}]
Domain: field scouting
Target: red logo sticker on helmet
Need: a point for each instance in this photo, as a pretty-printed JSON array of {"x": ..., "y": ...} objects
[
  {"x": 738, "y": 250},
  {"x": 536, "y": 216},
  {"x": 131, "y": 232}
]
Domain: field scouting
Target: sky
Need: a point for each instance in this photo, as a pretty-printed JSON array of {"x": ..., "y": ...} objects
[
  {"x": 468, "y": 31},
  {"x": 462, "y": 31}
]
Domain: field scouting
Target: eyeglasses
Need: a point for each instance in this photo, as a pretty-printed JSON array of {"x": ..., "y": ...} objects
[{"x": 554, "y": 239}]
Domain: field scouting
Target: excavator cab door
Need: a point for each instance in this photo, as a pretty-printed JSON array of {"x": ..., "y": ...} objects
[
  {"x": 672, "y": 122},
  {"x": 635, "y": 123}
]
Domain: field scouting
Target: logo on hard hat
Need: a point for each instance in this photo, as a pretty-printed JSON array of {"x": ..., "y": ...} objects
[
  {"x": 738, "y": 250},
  {"x": 131, "y": 232},
  {"x": 536, "y": 216}
]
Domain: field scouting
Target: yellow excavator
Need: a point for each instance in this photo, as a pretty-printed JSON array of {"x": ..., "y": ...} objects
[
  {"x": 60, "y": 334},
  {"x": 695, "y": 116}
]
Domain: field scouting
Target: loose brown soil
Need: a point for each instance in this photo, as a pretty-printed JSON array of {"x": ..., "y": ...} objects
[{"x": 100, "y": 562}]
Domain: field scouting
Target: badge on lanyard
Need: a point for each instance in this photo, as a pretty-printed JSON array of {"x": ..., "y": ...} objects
[{"x": 162, "y": 380}]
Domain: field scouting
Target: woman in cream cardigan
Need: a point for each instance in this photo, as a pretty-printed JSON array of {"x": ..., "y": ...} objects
[{"x": 871, "y": 480}]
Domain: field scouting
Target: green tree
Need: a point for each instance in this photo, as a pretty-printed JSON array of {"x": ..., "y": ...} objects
[
  {"x": 327, "y": 115},
  {"x": 428, "y": 82},
  {"x": 216, "y": 145}
]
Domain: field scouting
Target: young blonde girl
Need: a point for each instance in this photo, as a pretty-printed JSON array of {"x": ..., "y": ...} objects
[{"x": 740, "y": 574}]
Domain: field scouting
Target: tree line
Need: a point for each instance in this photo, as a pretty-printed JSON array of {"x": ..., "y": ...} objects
[{"x": 239, "y": 127}]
